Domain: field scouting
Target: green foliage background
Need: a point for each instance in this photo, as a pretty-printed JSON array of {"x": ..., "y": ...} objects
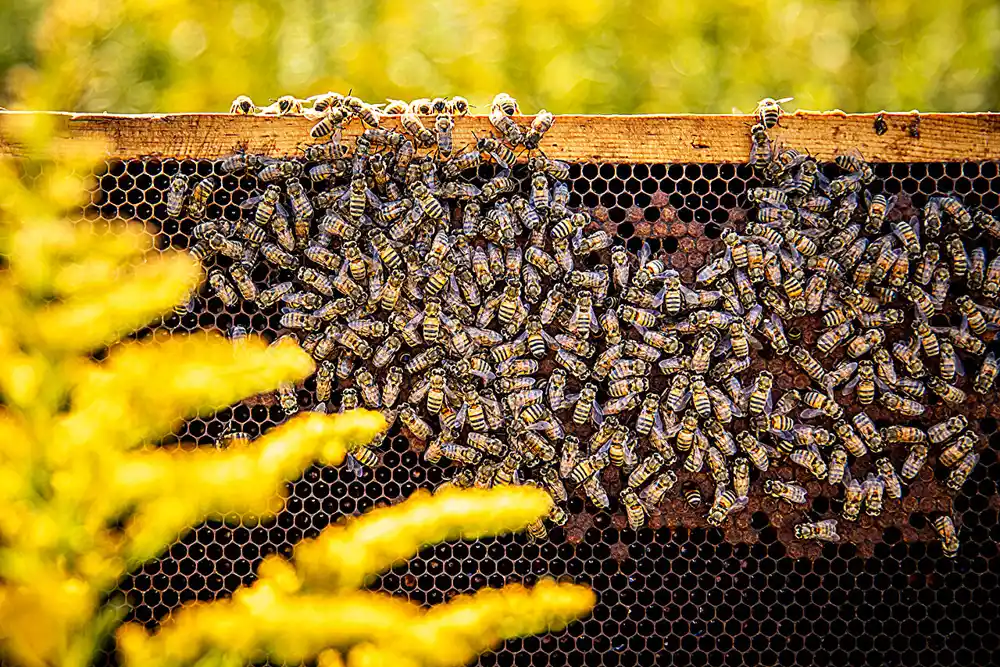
[{"x": 585, "y": 56}]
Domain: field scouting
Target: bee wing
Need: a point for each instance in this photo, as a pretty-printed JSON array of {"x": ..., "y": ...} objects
[
  {"x": 549, "y": 340},
  {"x": 660, "y": 296},
  {"x": 722, "y": 349},
  {"x": 250, "y": 203},
  {"x": 811, "y": 413},
  {"x": 320, "y": 407},
  {"x": 849, "y": 387},
  {"x": 755, "y": 342},
  {"x": 597, "y": 413},
  {"x": 959, "y": 366},
  {"x": 353, "y": 465},
  {"x": 682, "y": 403}
]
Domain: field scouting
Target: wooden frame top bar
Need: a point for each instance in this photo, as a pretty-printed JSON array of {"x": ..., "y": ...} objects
[{"x": 881, "y": 137}]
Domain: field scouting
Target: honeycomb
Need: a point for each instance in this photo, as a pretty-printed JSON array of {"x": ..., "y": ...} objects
[{"x": 676, "y": 591}]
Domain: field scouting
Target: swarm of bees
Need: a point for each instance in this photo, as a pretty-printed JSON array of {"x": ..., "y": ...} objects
[{"x": 457, "y": 290}]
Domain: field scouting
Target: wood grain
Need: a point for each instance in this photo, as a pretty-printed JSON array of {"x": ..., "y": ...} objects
[{"x": 907, "y": 137}]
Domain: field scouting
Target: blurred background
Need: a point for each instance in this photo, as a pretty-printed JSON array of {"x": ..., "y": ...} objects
[{"x": 570, "y": 56}]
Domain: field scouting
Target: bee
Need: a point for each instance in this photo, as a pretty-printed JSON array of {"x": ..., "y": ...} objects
[
  {"x": 774, "y": 331},
  {"x": 506, "y": 126},
  {"x": 324, "y": 381},
  {"x": 873, "y": 491},
  {"x": 972, "y": 312},
  {"x": 200, "y": 195},
  {"x": 590, "y": 466},
  {"x": 868, "y": 430},
  {"x": 634, "y": 509},
  {"x": 953, "y": 208},
  {"x": 768, "y": 111},
  {"x": 825, "y": 531},
  {"x": 864, "y": 342},
  {"x": 288, "y": 399},
  {"x": 500, "y": 153},
  {"x": 811, "y": 461},
  {"x": 792, "y": 493},
  {"x": 415, "y": 127},
  {"x": 854, "y": 495},
  {"x": 904, "y": 434},
  {"x": 243, "y": 106},
  {"x": 959, "y": 257},
  {"x": 725, "y": 504},
  {"x": 175, "y": 195},
  {"x": 222, "y": 288},
  {"x": 991, "y": 283},
  {"x": 541, "y": 124},
  {"x": 417, "y": 427},
  {"x": 948, "y": 393},
  {"x": 444, "y": 124},
  {"x": 652, "y": 495},
  {"x": 691, "y": 495},
  {"x": 878, "y": 208},
  {"x": 276, "y": 170},
  {"x": 960, "y": 473},
  {"x": 987, "y": 375},
  {"x": 944, "y": 526},
  {"x": 963, "y": 339},
  {"x": 838, "y": 465},
  {"x": 977, "y": 268},
  {"x": 760, "y": 147},
  {"x": 947, "y": 429},
  {"x": 906, "y": 352},
  {"x": 596, "y": 493},
  {"x": 914, "y": 462},
  {"x": 865, "y": 382},
  {"x": 893, "y": 487},
  {"x": 950, "y": 456},
  {"x": 806, "y": 362},
  {"x": 904, "y": 406},
  {"x": 753, "y": 448},
  {"x": 760, "y": 394}
]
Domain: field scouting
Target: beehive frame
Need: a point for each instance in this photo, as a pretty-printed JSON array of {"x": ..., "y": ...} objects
[{"x": 677, "y": 589}]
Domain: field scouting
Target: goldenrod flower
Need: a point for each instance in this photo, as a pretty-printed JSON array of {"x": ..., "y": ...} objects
[{"x": 342, "y": 557}]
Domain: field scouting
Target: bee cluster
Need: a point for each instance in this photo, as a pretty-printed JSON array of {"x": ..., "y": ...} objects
[{"x": 459, "y": 292}]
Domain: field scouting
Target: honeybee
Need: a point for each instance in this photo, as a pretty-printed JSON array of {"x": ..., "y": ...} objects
[
  {"x": 769, "y": 110},
  {"x": 652, "y": 495},
  {"x": 753, "y": 448},
  {"x": 725, "y": 504},
  {"x": 987, "y": 375},
  {"x": 854, "y": 495},
  {"x": 417, "y": 427},
  {"x": 244, "y": 106},
  {"x": 951, "y": 455},
  {"x": 506, "y": 126},
  {"x": 878, "y": 208},
  {"x": 596, "y": 493},
  {"x": 904, "y": 406},
  {"x": 864, "y": 342},
  {"x": 893, "y": 487},
  {"x": 811, "y": 461},
  {"x": 972, "y": 313},
  {"x": 792, "y": 493},
  {"x": 945, "y": 528},
  {"x": 873, "y": 490},
  {"x": 634, "y": 509},
  {"x": 960, "y": 473},
  {"x": 948, "y": 393},
  {"x": 914, "y": 462},
  {"x": 807, "y": 363},
  {"x": 760, "y": 394},
  {"x": 825, "y": 531},
  {"x": 838, "y": 465},
  {"x": 288, "y": 398}
]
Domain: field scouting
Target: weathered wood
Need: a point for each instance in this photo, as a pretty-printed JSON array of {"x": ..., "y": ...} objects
[{"x": 907, "y": 137}]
